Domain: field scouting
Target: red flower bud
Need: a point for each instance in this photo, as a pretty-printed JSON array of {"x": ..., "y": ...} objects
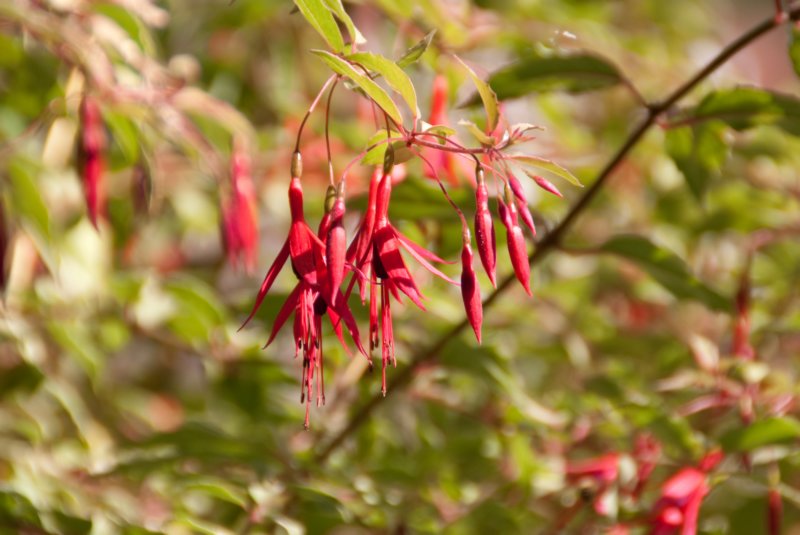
[
  {"x": 336, "y": 245},
  {"x": 90, "y": 155},
  {"x": 470, "y": 291},
  {"x": 522, "y": 203},
  {"x": 517, "y": 250},
  {"x": 545, "y": 185},
  {"x": 484, "y": 228}
]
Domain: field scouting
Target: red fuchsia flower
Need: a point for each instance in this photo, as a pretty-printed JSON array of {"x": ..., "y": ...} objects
[
  {"x": 90, "y": 155},
  {"x": 601, "y": 472},
  {"x": 470, "y": 291},
  {"x": 441, "y": 159},
  {"x": 309, "y": 300},
  {"x": 240, "y": 213},
  {"x": 517, "y": 250},
  {"x": 484, "y": 227},
  {"x": 678, "y": 508},
  {"x": 376, "y": 249}
]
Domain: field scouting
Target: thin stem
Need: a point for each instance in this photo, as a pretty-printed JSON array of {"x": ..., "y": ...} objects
[
  {"x": 404, "y": 376},
  {"x": 327, "y": 130},
  {"x": 328, "y": 82}
]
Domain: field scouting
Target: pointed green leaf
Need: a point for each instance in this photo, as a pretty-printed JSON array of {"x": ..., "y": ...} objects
[
  {"x": 394, "y": 76},
  {"x": 373, "y": 90},
  {"x": 477, "y": 133},
  {"x": 413, "y": 54},
  {"x": 547, "y": 165},
  {"x": 540, "y": 74},
  {"x": 488, "y": 97},
  {"x": 338, "y": 9},
  {"x": 746, "y": 107},
  {"x": 666, "y": 268},
  {"x": 699, "y": 152},
  {"x": 320, "y": 17},
  {"x": 375, "y": 153},
  {"x": 766, "y": 432}
]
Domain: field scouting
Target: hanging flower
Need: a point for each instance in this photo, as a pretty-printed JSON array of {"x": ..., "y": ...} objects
[
  {"x": 377, "y": 250},
  {"x": 240, "y": 213},
  {"x": 678, "y": 508},
  {"x": 600, "y": 472},
  {"x": 309, "y": 300},
  {"x": 91, "y": 145}
]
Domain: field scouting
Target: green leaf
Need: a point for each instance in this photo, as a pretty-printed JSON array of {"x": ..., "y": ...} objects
[
  {"x": 762, "y": 433},
  {"x": 666, "y": 268},
  {"x": 373, "y": 90},
  {"x": 413, "y": 54},
  {"x": 488, "y": 97},
  {"x": 547, "y": 165},
  {"x": 477, "y": 133},
  {"x": 746, "y": 107},
  {"x": 394, "y": 76},
  {"x": 541, "y": 74},
  {"x": 338, "y": 9},
  {"x": 319, "y": 15},
  {"x": 438, "y": 129},
  {"x": 794, "y": 49},
  {"x": 699, "y": 152},
  {"x": 375, "y": 154},
  {"x": 26, "y": 200}
]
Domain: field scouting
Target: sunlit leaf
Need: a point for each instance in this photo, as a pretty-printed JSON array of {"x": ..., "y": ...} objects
[
  {"x": 413, "y": 54},
  {"x": 338, "y": 9},
  {"x": 318, "y": 14},
  {"x": 767, "y": 432},
  {"x": 373, "y": 90},
  {"x": 477, "y": 133},
  {"x": 547, "y": 165},
  {"x": 488, "y": 97},
  {"x": 394, "y": 76}
]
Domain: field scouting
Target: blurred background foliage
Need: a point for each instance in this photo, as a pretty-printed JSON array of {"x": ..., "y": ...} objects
[{"x": 131, "y": 404}]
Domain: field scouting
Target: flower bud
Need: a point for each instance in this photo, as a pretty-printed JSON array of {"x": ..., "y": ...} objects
[
  {"x": 517, "y": 251},
  {"x": 336, "y": 245},
  {"x": 484, "y": 227},
  {"x": 545, "y": 185},
  {"x": 522, "y": 203},
  {"x": 470, "y": 292}
]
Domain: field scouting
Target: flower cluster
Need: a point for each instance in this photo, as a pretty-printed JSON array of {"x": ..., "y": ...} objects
[{"x": 373, "y": 260}]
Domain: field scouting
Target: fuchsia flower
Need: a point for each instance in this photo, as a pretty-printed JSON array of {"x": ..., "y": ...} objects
[
  {"x": 678, "y": 508},
  {"x": 240, "y": 215},
  {"x": 470, "y": 291},
  {"x": 601, "y": 471},
  {"x": 310, "y": 300},
  {"x": 91, "y": 145},
  {"x": 377, "y": 247}
]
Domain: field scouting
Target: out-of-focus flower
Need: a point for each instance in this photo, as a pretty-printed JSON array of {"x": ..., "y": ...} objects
[
  {"x": 240, "y": 213},
  {"x": 678, "y": 508},
  {"x": 91, "y": 145}
]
